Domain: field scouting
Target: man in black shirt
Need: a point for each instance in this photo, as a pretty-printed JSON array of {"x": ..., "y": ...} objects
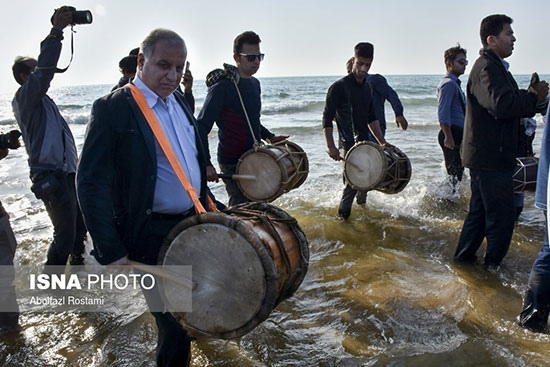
[{"x": 349, "y": 103}]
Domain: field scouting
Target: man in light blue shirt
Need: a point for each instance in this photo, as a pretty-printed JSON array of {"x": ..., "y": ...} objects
[
  {"x": 450, "y": 111},
  {"x": 170, "y": 196},
  {"x": 129, "y": 193}
]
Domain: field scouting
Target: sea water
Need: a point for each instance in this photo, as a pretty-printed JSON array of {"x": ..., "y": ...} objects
[{"x": 381, "y": 290}]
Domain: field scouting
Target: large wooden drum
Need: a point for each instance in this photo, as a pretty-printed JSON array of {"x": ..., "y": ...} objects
[
  {"x": 369, "y": 166},
  {"x": 278, "y": 168},
  {"x": 245, "y": 261},
  {"x": 525, "y": 175}
]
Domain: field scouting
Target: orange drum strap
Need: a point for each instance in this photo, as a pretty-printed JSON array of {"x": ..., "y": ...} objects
[{"x": 167, "y": 149}]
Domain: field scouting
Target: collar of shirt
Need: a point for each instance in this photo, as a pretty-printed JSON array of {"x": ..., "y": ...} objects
[
  {"x": 453, "y": 77},
  {"x": 505, "y": 63},
  {"x": 151, "y": 97},
  {"x": 351, "y": 76}
]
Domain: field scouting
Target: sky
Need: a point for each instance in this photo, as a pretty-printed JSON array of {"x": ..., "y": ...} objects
[{"x": 299, "y": 37}]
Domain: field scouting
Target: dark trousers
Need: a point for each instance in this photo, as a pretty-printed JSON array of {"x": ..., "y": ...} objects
[
  {"x": 346, "y": 202},
  {"x": 8, "y": 300},
  {"x": 233, "y": 192},
  {"x": 69, "y": 230},
  {"x": 173, "y": 344},
  {"x": 344, "y": 209},
  {"x": 536, "y": 304},
  {"x": 491, "y": 216},
  {"x": 453, "y": 163}
]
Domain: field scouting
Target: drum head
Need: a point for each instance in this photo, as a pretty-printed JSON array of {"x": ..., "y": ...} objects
[
  {"x": 365, "y": 166},
  {"x": 269, "y": 175},
  {"x": 229, "y": 272}
]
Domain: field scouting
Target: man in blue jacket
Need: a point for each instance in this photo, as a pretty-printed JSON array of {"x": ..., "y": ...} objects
[
  {"x": 130, "y": 195},
  {"x": 494, "y": 108},
  {"x": 50, "y": 145}
]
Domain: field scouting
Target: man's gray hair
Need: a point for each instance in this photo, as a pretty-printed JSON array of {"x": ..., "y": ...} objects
[{"x": 166, "y": 35}]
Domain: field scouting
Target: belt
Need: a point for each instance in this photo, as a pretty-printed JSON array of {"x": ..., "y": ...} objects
[{"x": 174, "y": 217}]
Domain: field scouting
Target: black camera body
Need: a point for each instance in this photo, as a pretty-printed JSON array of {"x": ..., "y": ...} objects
[
  {"x": 10, "y": 140},
  {"x": 79, "y": 16}
]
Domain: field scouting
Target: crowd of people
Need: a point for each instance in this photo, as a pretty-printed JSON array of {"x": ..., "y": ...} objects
[{"x": 124, "y": 189}]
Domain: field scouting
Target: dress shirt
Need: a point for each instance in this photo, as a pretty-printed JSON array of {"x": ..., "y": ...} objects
[
  {"x": 170, "y": 196},
  {"x": 451, "y": 101}
]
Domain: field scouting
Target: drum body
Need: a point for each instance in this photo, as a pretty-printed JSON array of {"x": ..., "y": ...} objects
[
  {"x": 278, "y": 168},
  {"x": 525, "y": 175},
  {"x": 369, "y": 166},
  {"x": 244, "y": 261}
]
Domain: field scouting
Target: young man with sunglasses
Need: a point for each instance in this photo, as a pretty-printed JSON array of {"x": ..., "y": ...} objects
[
  {"x": 223, "y": 106},
  {"x": 494, "y": 108},
  {"x": 451, "y": 110}
]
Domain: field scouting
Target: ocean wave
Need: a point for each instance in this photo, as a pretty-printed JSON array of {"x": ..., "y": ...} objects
[
  {"x": 7, "y": 122},
  {"x": 77, "y": 119},
  {"x": 291, "y": 107},
  {"x": 422, "y": 101},
  {"x": 63, "y": 107}
]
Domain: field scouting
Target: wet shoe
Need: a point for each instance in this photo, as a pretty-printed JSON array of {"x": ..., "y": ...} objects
[
  {"x": 344, "y": 215},
  {"x": 532, "y": 320},
  {"x": 361, "y": 197}
]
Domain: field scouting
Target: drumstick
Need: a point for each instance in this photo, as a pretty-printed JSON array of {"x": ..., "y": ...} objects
[
  {"x": 181, "y": 280},
  {"x": 351, "y": 163},
  {"x": 237, "y": 177}
]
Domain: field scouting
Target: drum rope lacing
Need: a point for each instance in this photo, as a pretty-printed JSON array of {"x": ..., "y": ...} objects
[{"x": 268, "y": 223}]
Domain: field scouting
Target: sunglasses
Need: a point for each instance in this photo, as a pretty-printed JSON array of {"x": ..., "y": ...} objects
[
  {"x": 461, "y": 61},
  {"x": 252, "y": 57}
]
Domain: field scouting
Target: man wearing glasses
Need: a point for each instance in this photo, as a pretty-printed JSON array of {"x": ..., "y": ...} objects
[
  {"x": 494, "y": 108},
  {"x": 450, "y": 111},
  {"x": 223, "y": 106}
]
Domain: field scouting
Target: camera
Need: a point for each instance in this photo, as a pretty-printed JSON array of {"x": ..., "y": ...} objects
[
  {"x": 10, "y": 140},
  {"x": 79, "y": 16}
]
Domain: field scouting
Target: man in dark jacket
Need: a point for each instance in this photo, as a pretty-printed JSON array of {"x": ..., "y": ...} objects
[
  {"x": 130, "y": 194},
  {"x": 223, "y": 105},
  {"x": 350, "y": 103},
  {"x": 50, "y": 145},
  {"x": 494, "y": 108}
]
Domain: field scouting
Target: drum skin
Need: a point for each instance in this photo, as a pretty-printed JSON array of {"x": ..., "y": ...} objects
[
  {"x": 369, "y": 166},
  {"x": 278, "y": 168},
  {"x": 240, "y": 270},
  {"x": 525, "y": 175}
]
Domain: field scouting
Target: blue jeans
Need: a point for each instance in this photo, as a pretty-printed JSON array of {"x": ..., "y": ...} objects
[
  {"x": 536, "y": 304},
  {"x": 491, "y": 216}
]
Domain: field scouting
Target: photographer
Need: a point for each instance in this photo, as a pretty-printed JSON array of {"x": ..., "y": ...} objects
[
  {"x": 50, "y": 144},
  {"x": 8, "y": 320}
]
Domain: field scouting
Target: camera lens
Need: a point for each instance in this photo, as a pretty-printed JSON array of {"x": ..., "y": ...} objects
[{"x": 82, "y": 17}]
